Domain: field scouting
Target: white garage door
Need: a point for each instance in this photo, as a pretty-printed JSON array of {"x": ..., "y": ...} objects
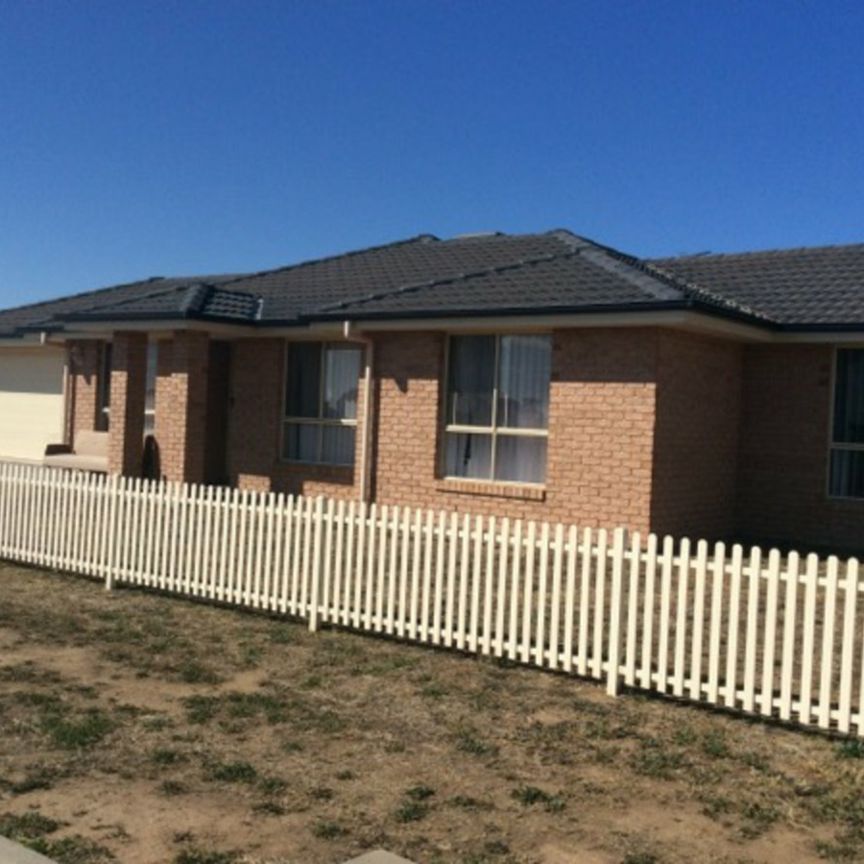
[{"x": 31, "y": 401}]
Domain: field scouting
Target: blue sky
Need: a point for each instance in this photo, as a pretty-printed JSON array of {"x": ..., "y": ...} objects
[{"x": 157, "y": 138}]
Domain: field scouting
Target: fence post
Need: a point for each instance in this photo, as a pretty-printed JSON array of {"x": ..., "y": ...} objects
[
  {"x": 314, "y": 588},
  {"x": 614, "y": 654}
]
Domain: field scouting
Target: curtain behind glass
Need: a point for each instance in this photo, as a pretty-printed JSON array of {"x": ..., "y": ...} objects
[
  {"x": 341, "y": 374},
  {"x": 523, "y": 384},
  {"x": 520, "y": 459},
  {"x": 471, "y": 380},
  {"x": 303, "y": 380},
  {"x": 849, "y": 398}
]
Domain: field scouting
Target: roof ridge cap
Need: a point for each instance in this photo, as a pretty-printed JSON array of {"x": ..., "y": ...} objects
[
  {"x": 694, "y": 290},
  {"x": 417, "y": 286},
  {"x": 691, "y": 290},
  {"x": 752, "y": 252},
  {"x": 196, "y": 286},
  {"x": 80, "y": 294},
  {"x": 417, "y": 238}
]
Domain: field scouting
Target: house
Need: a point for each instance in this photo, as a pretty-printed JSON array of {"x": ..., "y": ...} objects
[{"x": 540, "y": 376}]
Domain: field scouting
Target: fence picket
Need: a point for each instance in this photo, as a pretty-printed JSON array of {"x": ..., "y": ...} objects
[
  {"x": 645, "y": 672},
  {"x": 736, "y": 574},
  {"x": 698, "y": 620},
  {"x": 613, "y": 673},
  {"x": 501, "y": 592},
  {"x": 632, "y": 609},
  {"x": 554, "y": 619},
  {"x": 464, "y": 570},
  {"x": 807, "y": 651},
  {"x": 338, "y": 563},
  {"x": 584, "y": 600},
  {"x": 826, "y": 673},
  {"x": 345, "y": 563},
  {"x": 570, "y": 596},
  {"x": 540, "y": 627},
  {"x": 327, "y": 562},
  {"x": 371, "y": 529},
  {"x": 394, "y": 570},
  {"x": 429, "y": 540},
  {"x": 402, "y": 617},
  {"x": 477, "y": 564},
  {"x": 681, "y": 611},
  {"x": 416, "y": 544},
  {"x": 451, "y": 579},
  {"x": 488, "y": 587},
  {"x": 439, "y": 578},
  {"x": 789, "y": 636},
  {"x": 667, "y": 560},
  {"x": 752, "y": 633},
  {"x": 850, "y": 587},
  {"x": 356, "y": 567},
  {"x": 770, "y": 633},
  {"x": 718, "y": 572},
  {"x": 515, "y": 585},
  {"x": 528, "y": 591},
  {"x": 600, "y": 602}
]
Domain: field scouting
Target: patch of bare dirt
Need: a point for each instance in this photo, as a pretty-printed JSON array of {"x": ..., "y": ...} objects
[{"x": 154, "y": 730}]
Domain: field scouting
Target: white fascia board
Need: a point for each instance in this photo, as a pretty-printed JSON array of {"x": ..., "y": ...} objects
[
  {"x": 681, "y": 319},
  {"x": 159, "y": 329},
  {"x": 30, "y": 340}
]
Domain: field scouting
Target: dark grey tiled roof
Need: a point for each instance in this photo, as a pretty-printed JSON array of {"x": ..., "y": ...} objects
[
  {"x": 486, "y": 275},
  {"x": 52, "y": 313},
  {"x": 199, "y": 300},
  {"x": 567, "y": 281},
  {"x": 821, "y": 285}
]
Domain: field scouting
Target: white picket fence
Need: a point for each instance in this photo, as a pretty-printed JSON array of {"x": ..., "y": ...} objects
[{"x": 779, "y": 637}]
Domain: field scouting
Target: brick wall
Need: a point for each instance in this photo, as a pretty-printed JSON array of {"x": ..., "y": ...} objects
[
  {"x": 600, "y": 430},
  {"x": 85, "y": 383},
  {"x": 126, "y": 433},
  {"x": 682, "y": 433},
  {"x": 255, "y": 429},
  {"x": 696, "y": 437},
  {"x": 181, "y": 406},
  {"x": 783, "y": 463}
]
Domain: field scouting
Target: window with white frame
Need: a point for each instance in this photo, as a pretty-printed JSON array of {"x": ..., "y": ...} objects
[
  {"x": 320, "y": 421},
  {"x": 150, "y": 388},
  {"x": 846, "y": 471},
  {"x": 497, "y": 408},
  {"x": 103, "y": 407}
]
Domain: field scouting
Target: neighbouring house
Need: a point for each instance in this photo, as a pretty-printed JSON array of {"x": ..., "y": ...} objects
[{"x": 540, "y": 376}]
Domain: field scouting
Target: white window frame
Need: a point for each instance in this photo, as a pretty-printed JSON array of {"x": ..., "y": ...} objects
[
  {"x": 838, "y": 445},
  {"x": 494, "y": 430},
  {"x": 320, "y": 422},
  {"x": 103, "y": 384},
  {"x": 151, "y": 357}
]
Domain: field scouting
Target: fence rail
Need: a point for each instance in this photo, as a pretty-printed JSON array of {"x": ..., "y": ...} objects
[{"x": 755, "y": 632}]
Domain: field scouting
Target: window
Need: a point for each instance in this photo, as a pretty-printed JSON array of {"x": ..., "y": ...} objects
[
  {"x": 846, "y": 473},
  {"x": 103, "y": 395},
  {"x": 321, "y": 402},
  {"x": 150, "y": 388},
  {"x": 497, "y": 408}
]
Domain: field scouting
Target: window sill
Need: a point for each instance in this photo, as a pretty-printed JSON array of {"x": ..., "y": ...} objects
[
  {"x": 492, "y": 489},
  {"x": 315, "y": 469},
  {"x": 844, "y": 499}
]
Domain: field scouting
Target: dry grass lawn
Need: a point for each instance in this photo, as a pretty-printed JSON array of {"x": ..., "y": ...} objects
[{"x": 146, "y": 729}]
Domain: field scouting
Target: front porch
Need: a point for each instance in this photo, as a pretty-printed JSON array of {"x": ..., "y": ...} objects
[{"x": 160, "y": 403}]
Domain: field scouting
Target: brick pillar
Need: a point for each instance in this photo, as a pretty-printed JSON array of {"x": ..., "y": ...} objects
[
  {"x": 126, "y": 432},
  {"x": 181, "y": 406},
  {"x": 84, "y": 369}
]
